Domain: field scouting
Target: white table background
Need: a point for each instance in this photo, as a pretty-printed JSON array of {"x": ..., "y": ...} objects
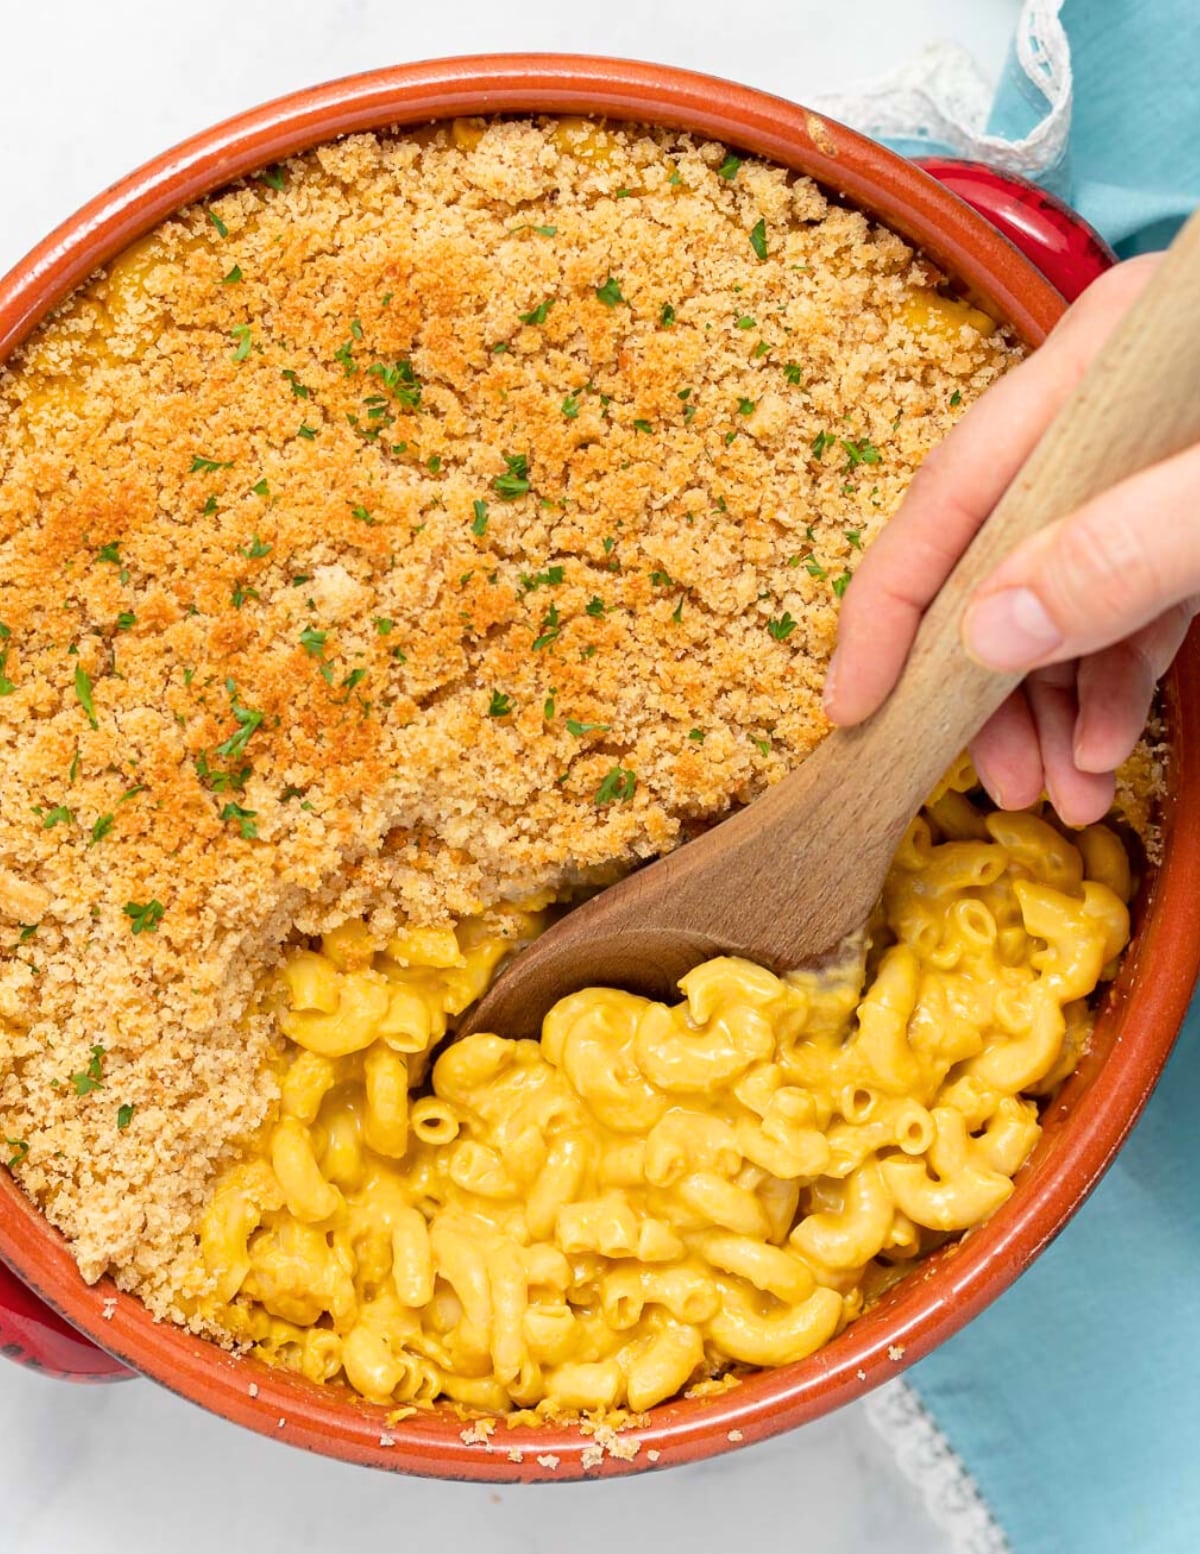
[{"x": 91, "y": 90}]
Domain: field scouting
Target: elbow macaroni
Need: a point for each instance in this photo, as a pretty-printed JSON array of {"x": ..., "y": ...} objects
[{"x": 650, "y": 1193}]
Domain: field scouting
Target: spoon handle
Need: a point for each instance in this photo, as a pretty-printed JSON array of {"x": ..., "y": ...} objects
[{"x": 1137, "y": 404}]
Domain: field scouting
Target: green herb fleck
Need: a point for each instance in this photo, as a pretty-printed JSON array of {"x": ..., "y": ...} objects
[
  {"x": 242, "y": 334},
  {"x": 514, "y": 482},
  {"x": 763, "y": 746},
  {"x": 313, "y": 641},
  {"x": 617, "y": 786},
  {"x": 272, "y": 177},
  {"x": 696, "y": 735},
  {"x": 840, "y": 584},
  {"x": 124, "y": 1116},
  {"x": 956, "y": 399},
  {"x": 745, "y": 322},
  {"x": 782, "y": 628},
  {"x": 233, "y": 277},
  {"x": 246, "y": 819},
  {"x": 595, "y": 605},
  {"x": 92, "y": 1077},
  {"x": 144, "y": 916},
  {"x": 642, "y": 426},
  {"x": 256, "y": 549},
  {"x": 758, "y": 237},
  {"x": 222, "y": 229},
  {"x": 101, "y": 828},
  {"x": 745, "y": 407},
  {"x": 794, "y": 373},
  {"x": 820, "y": 442},
  {"x": 307, "y": 432},
  {"x": 570, "y": 406},
  {"x": 538, "y": 315},
  {"x": 201, "y": 465},
  {"x": 363, "y": 515},
  {"x": 500, "y": 705},
  {"x": 550, "y": 629},
  {"x": 260, "y": 488},
  {"x": 610, "y": 292},
  {"x": 814, "y": 568},
  {"x": 298, "y": 388},
  {"x": 729, "y": 167},
  {"x": 83, "y": 690},
  {"x": 860, "y": 452},
  {"x": 19, "y": 1150},
  {"x": 666, "y": 318}
]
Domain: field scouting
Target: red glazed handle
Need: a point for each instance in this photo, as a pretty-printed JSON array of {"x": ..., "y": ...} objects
[
  {"x": 1070, "y": 254},
  {"x": 34, "y": 1335},
  {"x": 1068, "y": 251}
]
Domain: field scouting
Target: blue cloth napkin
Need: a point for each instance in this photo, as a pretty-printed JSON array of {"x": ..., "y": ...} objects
[{"x": 1075, "y": 1399}]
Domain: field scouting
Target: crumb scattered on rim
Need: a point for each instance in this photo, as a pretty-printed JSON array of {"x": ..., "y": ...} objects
[{"x": 547, "y": 1460}]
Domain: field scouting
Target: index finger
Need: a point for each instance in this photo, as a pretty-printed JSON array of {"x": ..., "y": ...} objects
[{"x": 953, "y": 492}]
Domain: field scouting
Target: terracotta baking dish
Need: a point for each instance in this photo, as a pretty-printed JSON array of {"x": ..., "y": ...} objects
[{"x": 1085, "y": 1125}]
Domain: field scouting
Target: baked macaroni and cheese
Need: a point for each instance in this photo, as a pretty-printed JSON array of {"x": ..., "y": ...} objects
[{"x": 391, "y": 547}]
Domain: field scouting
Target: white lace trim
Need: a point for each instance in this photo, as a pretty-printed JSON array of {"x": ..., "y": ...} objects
[
  {"x": 927, "y": 1460},
  {"x": 943, "y": 95}
]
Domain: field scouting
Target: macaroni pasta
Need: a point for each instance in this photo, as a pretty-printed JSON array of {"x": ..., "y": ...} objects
[{"x": 651, "y": 1194}]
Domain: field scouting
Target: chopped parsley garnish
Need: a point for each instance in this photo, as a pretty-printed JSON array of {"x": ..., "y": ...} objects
[
  {"x": 19, "y": 1150},
  {"x": 580, "y": 729},
  {"x": 383, "y": 625},
  {"x": 729, "y": 167},
  {"x": 400, "y": 380},
  {"x": 642, "y": 426},
  {"x": 434, "y": 464},
  {"x": 666, "y": 318},
  {"x": 201, "y": 465},
  {"x": 298, "y": 388},
  {"x": 101, "y": 828},
  {"x": 242, "y": 334},
  {"x": 610, "y": 292},
  {"x": 313, "y": 641},
  {"x": 782, "y": 628},
  {"x": 307, "y": 432},
  {"x": 548, "y": 707},
  {"x": 854, "y": 538},
  {"x": 840, "y": 584},
  {"x": 233, "y": 277},
  {"x": 246, "y": 819},
  {"x": 860, "y": 452},
  {"x": 745, "y": 407},
  {"x": 363, "y": 515},
  {"x": 247, "y": 719},
  {"x": 126, "y": 620},
  {"x": 760, "y": 349},
  {"x": 241, "y": 594},
  {"x": 794, "y": 373},
  {"x": 222, "y": 229},
  {"x": 260, "y": 488},
  {"x": 59, "y": 815},
  {"x": 696, "y": 735},
  {"x": 661, "y": 579},
  {"x": 272, "y": 177},
  {"x": 538, "y": 315},
  {"x": 758, "y": 237},
  {"x": 550, "y": 578},
  {"x": 480, "y": 522},
  {"x": 527, "y": 226},
  {"x": 256, "y": 549},
  {"x": 210, "y": 506},
  {"x": 763, "y": 746},
  {"x": 218, "y": 781},
  {"x": 144, "y": 916},
  {"x": 745, "y": 322},
  {"x": 609, "y": 543},
  {"x": 500, "y": 705},
  {"x": 820, "y": 442},
  {"x": 345, "y": 355},
  {"x": 132, "y": 793},
  {"x": 677, "y": 612},
  {"x": 596, "y": 605},
  {"x": 92, "y": 1076},
  {"x": 83, "y": 690},
  {"x": 514, "y": 482},
  {"x": 617, "y": 786},
  {"x": 124, "y": 1116},
  {"x": 110, "y": 552},
  {"x": 550, "y": 629},
  {"x": 814, "y": 568},
  {"x": 570, "y": 406},
  {"x": 956, "y": 399}
]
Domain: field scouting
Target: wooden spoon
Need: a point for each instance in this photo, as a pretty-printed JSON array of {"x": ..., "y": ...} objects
[{"x": 785, "y": 880}]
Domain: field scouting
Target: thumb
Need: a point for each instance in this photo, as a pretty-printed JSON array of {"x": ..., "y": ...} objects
[{"x": 1094, "y": 577}]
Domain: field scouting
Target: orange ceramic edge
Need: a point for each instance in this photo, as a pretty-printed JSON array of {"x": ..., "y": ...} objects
[{"x": 916, "y": 1316}]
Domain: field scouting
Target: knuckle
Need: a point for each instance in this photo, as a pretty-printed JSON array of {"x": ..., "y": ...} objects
[{"x": 1100, "y": 571}]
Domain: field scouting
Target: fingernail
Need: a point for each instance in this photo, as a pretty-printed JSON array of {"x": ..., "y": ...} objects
[
  {"x": 830, "y": 690},
  {"x": 1010, "y": 630}
]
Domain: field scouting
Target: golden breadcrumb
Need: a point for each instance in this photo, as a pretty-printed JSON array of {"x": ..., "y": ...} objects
[{"x": 437, "y": 518}]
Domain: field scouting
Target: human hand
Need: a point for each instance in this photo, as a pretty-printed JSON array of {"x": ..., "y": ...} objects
[{"x": 1094, "y": 607}]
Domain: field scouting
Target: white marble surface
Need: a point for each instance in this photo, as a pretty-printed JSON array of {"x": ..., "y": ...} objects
[{"x": 90, "y": 90}]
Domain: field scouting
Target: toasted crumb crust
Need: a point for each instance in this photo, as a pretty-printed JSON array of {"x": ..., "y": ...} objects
[{"x": 240, "y": 477}]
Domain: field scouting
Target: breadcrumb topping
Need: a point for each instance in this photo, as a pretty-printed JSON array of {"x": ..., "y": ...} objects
[{"x": 438, "y": 518}]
